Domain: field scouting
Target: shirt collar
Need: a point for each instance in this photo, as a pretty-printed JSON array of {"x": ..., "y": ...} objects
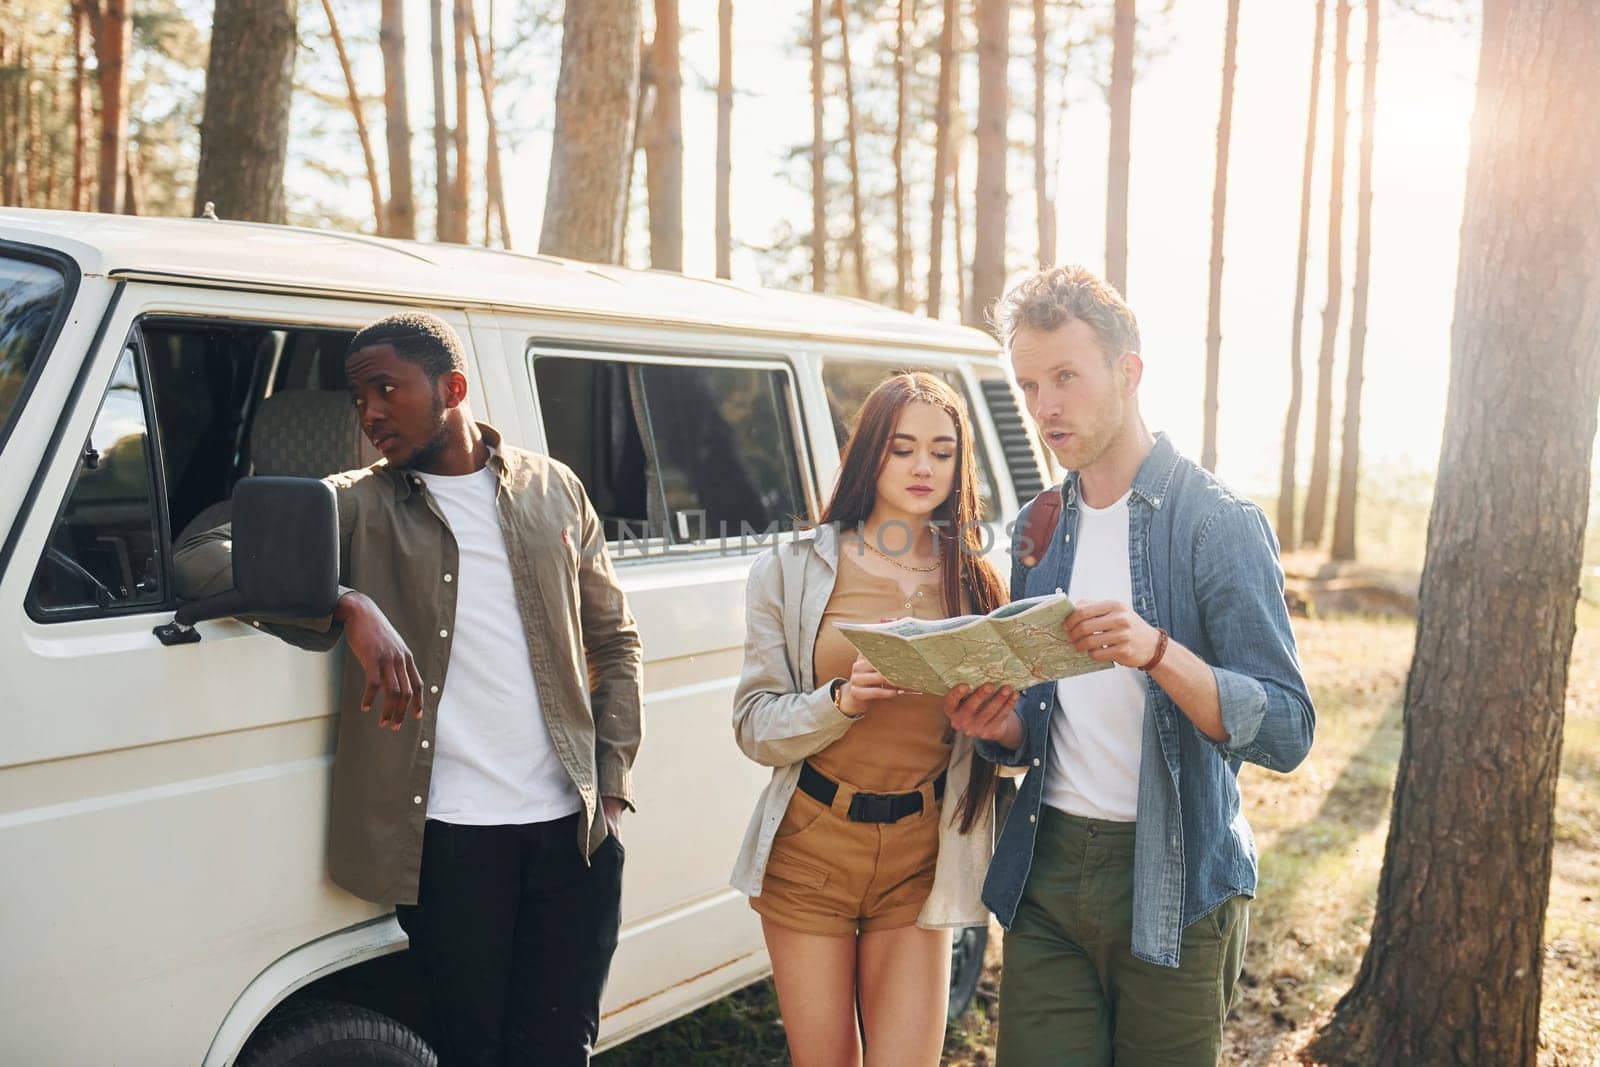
[
  {"x": 1151, "y": 482},
  {"x": 404, "y": 480}
]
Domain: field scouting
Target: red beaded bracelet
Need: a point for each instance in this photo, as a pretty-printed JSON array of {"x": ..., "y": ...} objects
[{"x": 1161, "y": 650}]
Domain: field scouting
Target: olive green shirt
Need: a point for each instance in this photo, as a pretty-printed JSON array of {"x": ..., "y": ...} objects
[{"x": 396, "y": 547}]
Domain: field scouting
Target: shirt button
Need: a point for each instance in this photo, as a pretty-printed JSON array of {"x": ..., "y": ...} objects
[
  {"x": 1035, "y": 762},
  {"x": 1067, "y": 540},
  {"x": 1033, "y": 818},
  {"x": 433, "y": 689},
  {"x": 919, "y": 594},
  {"x": 424, "y": 742},
  {"x": 448, "y": 578},
  {"x": 416, "y": 481},
  {"x": 1042, "y": 705},
  {"x": 1156, "y": 501},
  {"x": 444, "y": 633},
  {"x": 256, "y": 624},
  {"x": 1058, "y": 589},
  {"x": 416, "y": 800}
]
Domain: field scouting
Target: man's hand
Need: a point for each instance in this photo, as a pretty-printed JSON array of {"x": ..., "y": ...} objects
[
  {"x": 865, "y": 687},
  {"x": 987, "y": 713},
  {"x": 1111, "y": 633},
  {"x": 384, "y": 656},
  {"x": 612, "y": 808}
]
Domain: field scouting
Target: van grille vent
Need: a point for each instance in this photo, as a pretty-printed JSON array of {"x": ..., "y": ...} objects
[{"x": 1015, "y": 438}]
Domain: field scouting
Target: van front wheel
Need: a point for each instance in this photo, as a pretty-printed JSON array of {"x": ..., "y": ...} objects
[
  {"x": 966, "y": 967},
  {"x": 327, "y": 1033}
]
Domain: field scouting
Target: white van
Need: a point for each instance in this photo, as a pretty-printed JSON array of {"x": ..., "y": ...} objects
[{"x": 163, "y": 810}]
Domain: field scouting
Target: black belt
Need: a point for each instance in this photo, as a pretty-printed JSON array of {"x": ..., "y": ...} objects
[{"x": 866, "y": 807}]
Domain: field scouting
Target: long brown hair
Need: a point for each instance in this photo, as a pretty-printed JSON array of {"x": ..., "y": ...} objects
[{"x": 960, "y": 543}]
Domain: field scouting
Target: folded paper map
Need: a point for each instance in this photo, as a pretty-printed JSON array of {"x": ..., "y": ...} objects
[{"x": 1019, "y": 645}]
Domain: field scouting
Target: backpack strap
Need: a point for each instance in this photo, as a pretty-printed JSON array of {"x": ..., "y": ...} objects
[{"x": 1044, "y": 511}]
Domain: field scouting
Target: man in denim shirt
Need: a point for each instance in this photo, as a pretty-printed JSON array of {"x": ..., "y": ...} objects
[{"x": 1124, "y": 870}]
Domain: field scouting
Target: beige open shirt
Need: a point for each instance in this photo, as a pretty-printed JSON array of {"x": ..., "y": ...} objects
[
  {"x": 781, "y": 716},
  {"x": 396, "y": 547}
]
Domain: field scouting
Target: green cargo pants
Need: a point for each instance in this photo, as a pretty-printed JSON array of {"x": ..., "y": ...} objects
[{"x": 1071, "y": 990}]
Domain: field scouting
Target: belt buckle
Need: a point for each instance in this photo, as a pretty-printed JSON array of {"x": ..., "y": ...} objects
[{"x": 872, "y": 807}]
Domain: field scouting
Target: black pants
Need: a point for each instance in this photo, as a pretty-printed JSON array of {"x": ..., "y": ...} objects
[{"x": 515, "y": 935}]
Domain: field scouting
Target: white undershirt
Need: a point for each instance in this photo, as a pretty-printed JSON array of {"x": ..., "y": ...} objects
[
  {"x": 1097, "y": 732},
  {"x": 493, "y": 762}
]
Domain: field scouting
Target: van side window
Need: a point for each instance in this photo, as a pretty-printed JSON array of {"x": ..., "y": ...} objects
[
  {"x": 31, "y": 298},
  {"x": 848, "y": 382},
  {"x": 675, "y": 452},
  {"x": 105, "y": 550}
]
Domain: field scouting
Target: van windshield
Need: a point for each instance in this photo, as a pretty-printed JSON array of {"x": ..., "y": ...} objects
[{"x": 31, "y": 295}]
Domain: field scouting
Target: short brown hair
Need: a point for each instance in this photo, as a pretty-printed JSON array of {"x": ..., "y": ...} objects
[{"x": 1046, "y": 299}]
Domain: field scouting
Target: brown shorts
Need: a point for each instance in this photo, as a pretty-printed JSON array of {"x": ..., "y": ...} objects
[{"x": 828, "y": 875}]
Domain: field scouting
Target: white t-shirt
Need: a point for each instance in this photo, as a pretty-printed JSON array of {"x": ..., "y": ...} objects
[
  {"x": 1097, "y": 732},
  {"x": 493, "y": 761}
]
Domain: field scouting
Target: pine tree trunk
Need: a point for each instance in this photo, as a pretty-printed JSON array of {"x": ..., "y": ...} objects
[
  {"x": 80, "y": 106},
  {"x": 495, "y": 190},
  {"x": 989, "y": 240},
  {"x": 1453, "y": 969},
  {"x": 1219, "y": 213},
  {"x": 1291, "y": 422},
  {"x": 596, "y": 97},
  {"x": 858, "y": 244},
  {"x": 132, "y": 181},
  {"x": 461, "y": 186},
  {"x": 113, "y": 41},
  {"x": 1121, "y": 98},
  {"x": 963, "y": 308},
  {"x": 1322, "y": 439},
  {"x": 724, "y": 137},
  {"x": 1344, "y": 514},
  {"x": 392, "y": 40},
  {"x": 941, "y": 157},
  {"x": 1044, "y": 201},
  {"x": 663, "y": 144},
  {"x": 819, "y": 190},
  {"x": 444, "y": 227},
  {"x": 244, "y": 129},
  {"x": 28, "y": 125},
  {"x": 356, "y": 112},
  {"x": 902, "y": 246}
]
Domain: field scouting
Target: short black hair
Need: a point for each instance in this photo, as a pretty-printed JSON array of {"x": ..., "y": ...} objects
[{"x": 424, "y": 339}]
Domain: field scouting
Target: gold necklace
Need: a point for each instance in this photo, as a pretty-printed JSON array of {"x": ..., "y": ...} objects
[{"x": 876, "y": 551}]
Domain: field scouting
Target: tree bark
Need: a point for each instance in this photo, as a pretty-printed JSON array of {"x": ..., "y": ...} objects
[
  {"x": 444, "y": 227},
  {"x": 963, "y": 308},
  {"x": 495, "y": 194},
  {"x": 663, "y": 144},
  {"x": 1121, "y": 99},
  {"x": 941, "y": 157},
  {"x": 132, "y": 200},
  {"x": 989, "y": 239},
  {"x": 858, "y": 244},
  {"x": 244, "y": 129},
  {"x": 1219, "y": 213},
  {"x": 1322, "y": 439},
  {"x": 356, "y": 112},
  {"x": 1453, "y": 969},
  {"x": 724, "y": 137},
  {"x": 819, "y": 190},
  {"x": 392, "y": 40},
  {"x": 1291, "y": 422},
  {"x": 113, "y": 39},
  {"x": 461, "y": 186},
  {"x": 1344, "y": 514},
  {"x": 80, "y": 106},
  {"x": 1044, "y": 201},
  {"x": 28, "y": 125},
  {"x": 902, "y": 247},
  {"x": 596, "y": 97}
]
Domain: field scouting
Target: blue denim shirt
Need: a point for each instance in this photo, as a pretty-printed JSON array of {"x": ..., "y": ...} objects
[{"x": 1204, "y": 564}]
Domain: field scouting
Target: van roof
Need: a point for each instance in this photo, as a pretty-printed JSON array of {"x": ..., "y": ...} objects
[{"x": 301, "y": 260}]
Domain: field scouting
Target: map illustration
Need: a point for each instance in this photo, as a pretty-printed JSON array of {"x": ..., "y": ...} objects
[{"x": 1019, "y": 645}]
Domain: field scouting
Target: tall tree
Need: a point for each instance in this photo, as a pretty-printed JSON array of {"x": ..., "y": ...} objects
[
  {"x": 461, "y": 186},
  {"x": 444, "y": 227},
  {"x": 858, "y": 243},
  {"x": 1219, "y": 212},
  {"x": 1344, "y": 515},
  {"x": 942, "y": 145},
  {"x": 80, "y": 106},
  {"x": 356, "y": 112},
  {"x": 724, "y": 137},
  {"x": 902, "y": 245},
  {"x": 819, "y": 189},
  {"x": 1121, "y": 99},
  {"x": 1322, "y": 439},
  {"x": 596, "y": 97},
  {"x": 1291, "y": 421},
  {"x": 989, "y": 236},
  {"x": 1453, "y": 968},
  {"x": 495, "y": 189},
  {"x": 244, "y": 130},
  {"x": 392, "y": 40},
  {"x": 113, "y": 39},
  {"x": 1044, "y": 201},
  {"x": 963, "y": 307},
  {"x": 663, "y": 143}
]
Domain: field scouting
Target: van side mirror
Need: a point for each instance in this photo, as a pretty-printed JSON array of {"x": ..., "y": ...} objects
[{"x": 285, "y": 556}]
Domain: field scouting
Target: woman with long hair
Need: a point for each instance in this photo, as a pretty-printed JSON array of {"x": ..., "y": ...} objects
[{"x": 870, "y": 843}]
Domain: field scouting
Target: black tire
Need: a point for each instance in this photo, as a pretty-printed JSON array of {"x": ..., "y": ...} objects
[
  {"x": 966, "y": 967},
  {"x": 327, "y": 1033}
]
